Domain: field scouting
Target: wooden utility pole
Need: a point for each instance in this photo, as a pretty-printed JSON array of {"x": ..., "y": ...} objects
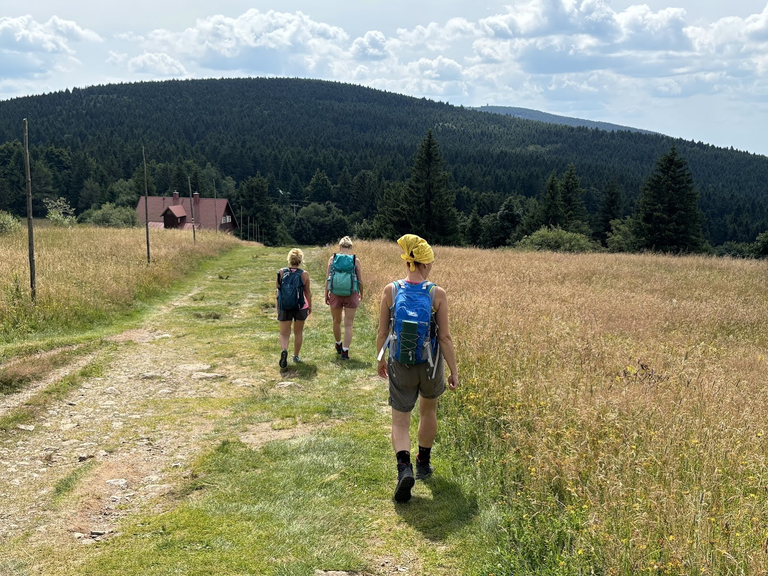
[
  {"x": 192, "y": 210},
  {"x": 30, "y": 226},
  {"x": 215, "y": 211},
  {"x": 146, "y": 202}
]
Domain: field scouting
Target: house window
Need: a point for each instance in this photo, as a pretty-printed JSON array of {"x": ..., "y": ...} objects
[{"x": 226, "y": 219}]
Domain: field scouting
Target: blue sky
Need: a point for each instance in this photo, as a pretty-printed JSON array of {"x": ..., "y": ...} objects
[{"x": 695, "y": 69}]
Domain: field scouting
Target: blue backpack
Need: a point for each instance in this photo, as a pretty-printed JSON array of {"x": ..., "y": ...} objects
[
  {"x": 412, "y": 328},
  {"x": 342, "y": 279},
  {"x": 290, "y": 295}
]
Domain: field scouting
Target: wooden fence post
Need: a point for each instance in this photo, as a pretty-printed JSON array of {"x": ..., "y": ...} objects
[
  {"x": 146, "y": 201},
  {"x": 192, "y": 210},
  {"x": 215, "y": 210},
  {"x": 30, "y": 226}
]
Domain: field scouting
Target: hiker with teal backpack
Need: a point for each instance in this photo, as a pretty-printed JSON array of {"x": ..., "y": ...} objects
[
  {"x": 413, "y": 326},
  {"x": 294, "y": 304},
  {"x": 343, "y": 293}
]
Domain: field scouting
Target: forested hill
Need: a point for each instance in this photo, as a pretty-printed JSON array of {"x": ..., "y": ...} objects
[
  {"x": 288, "y": 129},
  {"x": 529, "y": 114}
]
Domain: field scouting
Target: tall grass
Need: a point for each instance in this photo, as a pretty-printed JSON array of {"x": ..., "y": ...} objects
[
  {"x": 612, "y": 410},
  {"x": 85, "y": 274}
]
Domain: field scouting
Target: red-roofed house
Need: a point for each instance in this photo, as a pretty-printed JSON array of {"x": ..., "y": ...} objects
[{"x": 176, "y": 212}]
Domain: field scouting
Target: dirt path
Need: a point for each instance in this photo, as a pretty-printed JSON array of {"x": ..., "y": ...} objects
[{"x": 106, "y": 438}]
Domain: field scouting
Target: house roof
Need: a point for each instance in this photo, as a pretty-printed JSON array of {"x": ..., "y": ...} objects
[
  {"x": 177, "y": 211},
  {"x": 208, "y": 211}
]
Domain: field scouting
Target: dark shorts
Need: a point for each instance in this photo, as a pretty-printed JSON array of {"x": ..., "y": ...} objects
[
  {"x": 352, "y": 301},
  {"x": 408, "y": 381},
  {"x": 288, "y": 315}
]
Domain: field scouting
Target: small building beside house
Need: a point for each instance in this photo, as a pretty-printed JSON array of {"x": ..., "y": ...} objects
[{"x": 176, "y": 212}]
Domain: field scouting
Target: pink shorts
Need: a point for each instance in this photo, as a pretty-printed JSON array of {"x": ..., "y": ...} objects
[{"x": 352, "y": 301}]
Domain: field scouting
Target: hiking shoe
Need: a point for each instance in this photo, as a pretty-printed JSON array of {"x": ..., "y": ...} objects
[
  {"x": 423, "y": 470},
  {"x": 284, "y": 359},
  {"x": 345, "y": 354},
  {"x": 339, "y": 349},
  {"x": 405, "y": 482},
  {"x": 297, "y": 360}
]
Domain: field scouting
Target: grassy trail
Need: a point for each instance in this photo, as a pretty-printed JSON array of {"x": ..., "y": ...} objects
[{"x": 288, "y": 472}]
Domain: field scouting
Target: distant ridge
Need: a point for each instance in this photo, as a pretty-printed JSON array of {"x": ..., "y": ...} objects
[{"x": 529, "y": 114}]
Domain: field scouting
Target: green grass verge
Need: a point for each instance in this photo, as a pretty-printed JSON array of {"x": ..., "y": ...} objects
[{"x": 318, "y": 495}]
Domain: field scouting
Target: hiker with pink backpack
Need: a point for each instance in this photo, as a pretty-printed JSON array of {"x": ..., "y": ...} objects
[{"x": 343, "y": 293}]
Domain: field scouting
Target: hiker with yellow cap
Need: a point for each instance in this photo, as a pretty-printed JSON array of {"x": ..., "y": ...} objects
[{"x": 413, "y": 326}]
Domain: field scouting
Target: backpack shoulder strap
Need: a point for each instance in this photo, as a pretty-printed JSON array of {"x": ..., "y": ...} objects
[
  {"x": 396, "y": 285},
  {"x": 431, "y": 287}
]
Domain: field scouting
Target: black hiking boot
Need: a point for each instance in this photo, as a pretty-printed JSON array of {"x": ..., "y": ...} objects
[
  {"x": 345, "y": 354},
  {"x": 338, "y": 348},
  {"x": 405, "y": 482},
  {"x": 284, "y": 359},
  {"x": 423, "y": 470}
]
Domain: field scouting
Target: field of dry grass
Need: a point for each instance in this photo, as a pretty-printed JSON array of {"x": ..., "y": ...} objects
[
  {"x": 614, "y": 403},
  {"x": 85, "y": 273}
]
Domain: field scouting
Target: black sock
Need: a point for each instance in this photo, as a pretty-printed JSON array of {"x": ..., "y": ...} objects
[
  {"x": 424, "y": 454},
  {"x": 403, "y": 457}
]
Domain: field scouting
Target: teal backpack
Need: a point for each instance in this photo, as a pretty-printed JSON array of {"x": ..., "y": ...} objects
[{"x": 342, "y": 279}]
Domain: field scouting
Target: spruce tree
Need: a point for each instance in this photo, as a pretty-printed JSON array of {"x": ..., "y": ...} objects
[
  {"x": 576, "y": 217},
  {"x": 668, "y": 215},
  {"x": 610, "y": 209},
  {"x": 320, "y": 189},
  {"x": 474, "y": 229},
  {"x": 432, "y": 213},
  {"x": 552, "y": 206},
  {"x": 257, "y": 205}
]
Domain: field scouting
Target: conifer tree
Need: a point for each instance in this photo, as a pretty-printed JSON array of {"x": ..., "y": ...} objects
[
  {"x": 610, "y": 209},
  {"x": 320, "y": 189},
  {"x": 552, "y": 206},
  {"x": 668, "y": 215},
  {"x": 432, "y": 213},
  {"x": 342, "y": 192},
  {"x": 576, "y": 217},
  {"x": 474, "y": 229},
  {"x": 254, "y": 194}
]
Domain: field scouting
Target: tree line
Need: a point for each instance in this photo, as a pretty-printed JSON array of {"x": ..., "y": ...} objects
[{"x": 306, "y": 158}]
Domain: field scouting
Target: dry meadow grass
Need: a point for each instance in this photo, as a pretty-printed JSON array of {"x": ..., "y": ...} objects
[
  {"x": 84, "y": 273},
  {"x": 627, "y": 390}
]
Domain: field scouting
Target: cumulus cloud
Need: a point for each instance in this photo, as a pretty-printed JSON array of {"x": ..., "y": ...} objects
[
  {"x": 437, "y": 37},
  {"x": 30, "y": 49},
  {"x": 372, "y": 46},
  {"x": 266, "y": 41},
  {"x": 24, "y": 34},
  {"x": 156, "y": 64},
  {"x": 116, "y": 57},
  {"x": 531, "y": 52}
]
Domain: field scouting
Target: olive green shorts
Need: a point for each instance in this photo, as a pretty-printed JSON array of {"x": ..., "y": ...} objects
[{"x": 408, "y": 381}]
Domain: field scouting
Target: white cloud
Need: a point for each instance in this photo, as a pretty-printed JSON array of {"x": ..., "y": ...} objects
[
  {"x": 129, "y": 37},
  {"x": 156, "y": 64},
  {"x": 267, "y": 41},
  {"x": 555, "y": 55},
  {"x": 24, "y": 34},
  {"x": 443, "y": 69},
  {"x": 372, "y": 46},
  {"x": 116, "y": 57}
]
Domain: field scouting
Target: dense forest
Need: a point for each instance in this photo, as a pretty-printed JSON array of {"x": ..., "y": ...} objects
[
  {"x": 529, "y": 114},
  {"x": 308, "y": 158}
]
